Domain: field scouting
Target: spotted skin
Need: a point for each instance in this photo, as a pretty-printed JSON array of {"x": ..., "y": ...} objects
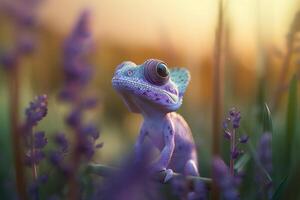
[{"x": 166, "y": 130}]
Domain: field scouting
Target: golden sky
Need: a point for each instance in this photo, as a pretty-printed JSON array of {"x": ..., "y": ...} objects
[{"x": 189, "y": 24}]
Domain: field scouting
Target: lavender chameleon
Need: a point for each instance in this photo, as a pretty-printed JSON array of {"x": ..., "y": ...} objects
[{"x": 154, "y": 91}]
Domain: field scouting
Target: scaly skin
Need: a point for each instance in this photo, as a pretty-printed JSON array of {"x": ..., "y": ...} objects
[{"x": 155, "y": 92}]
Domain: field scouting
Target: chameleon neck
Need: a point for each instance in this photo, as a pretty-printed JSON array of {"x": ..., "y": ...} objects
[{"x": 150, "y": 111}]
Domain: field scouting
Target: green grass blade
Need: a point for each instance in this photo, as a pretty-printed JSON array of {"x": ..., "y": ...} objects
[
  {"x": 260, "y": 99},
  {"x": 267, "y": 120},
  {"x": 291, "y": 118},
  {"x": 241, "y": 163},
  {"x": 280, "y": 188}
]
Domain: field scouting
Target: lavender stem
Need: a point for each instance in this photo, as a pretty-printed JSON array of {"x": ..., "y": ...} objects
[
  {"x": 232, "y": 148},
  {"x": 34, "y": 166},
  {"x": 15, "y": 131}
]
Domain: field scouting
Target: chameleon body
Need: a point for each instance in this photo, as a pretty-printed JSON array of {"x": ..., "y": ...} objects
[{"x": 156, "y": 92}]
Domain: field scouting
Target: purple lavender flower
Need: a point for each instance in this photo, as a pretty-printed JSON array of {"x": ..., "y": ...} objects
[
  {"x": 235, "y": 153},
  {"x": 244, "y": 139},
  {"x": 235, "y": 117},
  {"x": 62, "y": 142},
  {"x": 85, "y": 147},
  {"x": 264, "y": 151},
  {"x": 35, "y": 142},
  {"x": 40, "y": 140},
  {"x": 133, "y": 182},
  {"x": 238, "y": 178},
  {"x": 179, "y": 187},
  {"x": 23, "y": 12},
  {"x": 23, "y": 15},
  {"x": 33, "y": 189},
  {"x": 200, "y": 192},
  {"x": 56, "y": 156},
  {"x": 34, "y": 157},
  {"x": 227, "y": 135},
  {"x": 74, "y": 118},
  {"x": 77, "y": 75},
  {"x": 224, "y": 180},
  {"x": 77, "y": 70},
  {"x": 36, "y": 111},
  {"x": 231, "y": 125},
  {"x": 90, "y": 130}
]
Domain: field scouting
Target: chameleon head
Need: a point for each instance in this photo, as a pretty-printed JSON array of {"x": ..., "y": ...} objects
[{"x": 152, "y": 83}]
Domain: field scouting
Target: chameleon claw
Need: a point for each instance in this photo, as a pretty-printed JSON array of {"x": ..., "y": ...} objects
[{"x": 169, "y": 175}]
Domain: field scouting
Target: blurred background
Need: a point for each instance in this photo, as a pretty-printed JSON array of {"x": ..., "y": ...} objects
[{"x": 179, "y": 32}]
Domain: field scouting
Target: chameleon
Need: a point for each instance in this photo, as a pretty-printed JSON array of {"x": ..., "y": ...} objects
[{"x": 156, "y": 92}]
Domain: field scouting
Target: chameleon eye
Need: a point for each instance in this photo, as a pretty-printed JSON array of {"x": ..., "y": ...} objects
[
  {"x": 156, "y": 72},
  {"x": 162, "y": 70}
]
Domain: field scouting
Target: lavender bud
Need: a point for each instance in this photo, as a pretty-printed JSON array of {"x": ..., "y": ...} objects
[
  {"x": 86, "y": 148},
  {"x": 35, "y": 157},
  {"x": 40, "y": 140},
  {"x": 62, "y": 142},
  {"x": 227, "y": 135},
  {"x": 235, "y": 154},
  {"x": 244, "y": 139},
  {"x": 235, "y": 117},
  {"x": 37, "y": 110},
  {"x": 225, "y": 125},
  {"x": 91, "y": 130},
  {"x": 74, "y": 118},
  {"x": 55, "y": 158}
]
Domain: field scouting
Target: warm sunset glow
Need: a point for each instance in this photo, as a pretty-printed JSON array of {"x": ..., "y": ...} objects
[{"x": 190, "y": 23}]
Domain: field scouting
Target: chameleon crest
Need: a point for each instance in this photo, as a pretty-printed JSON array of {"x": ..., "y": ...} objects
[{"x": 181, "y": 77}]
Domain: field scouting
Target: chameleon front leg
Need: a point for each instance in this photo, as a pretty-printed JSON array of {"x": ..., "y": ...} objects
[{"x": 167, "y": 151}]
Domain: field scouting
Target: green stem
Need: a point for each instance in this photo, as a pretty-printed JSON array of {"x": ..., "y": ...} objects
[{"x": 106, "y": 171}]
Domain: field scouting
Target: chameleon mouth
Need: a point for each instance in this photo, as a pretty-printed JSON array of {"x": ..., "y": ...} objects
[{"x": 136, "y": 84}]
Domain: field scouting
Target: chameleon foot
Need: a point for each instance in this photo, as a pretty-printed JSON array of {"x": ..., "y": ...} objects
[{"x": 169, "y": 175}]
